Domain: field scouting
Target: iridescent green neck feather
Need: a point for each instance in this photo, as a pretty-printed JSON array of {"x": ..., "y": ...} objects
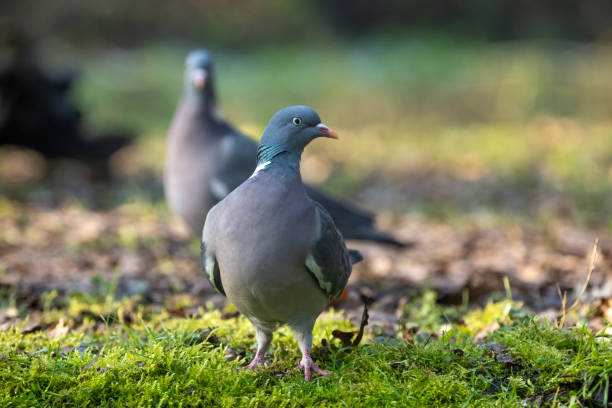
[{"x": 266, "y": 152}]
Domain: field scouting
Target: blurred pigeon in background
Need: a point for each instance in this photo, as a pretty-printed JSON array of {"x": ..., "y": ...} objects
[
  {"x": 274, "y": 252},
  {"x": 207, "y": 158}
]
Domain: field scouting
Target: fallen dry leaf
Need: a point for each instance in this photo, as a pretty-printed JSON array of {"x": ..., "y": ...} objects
[
  {"x": 59, "y": 330},
  {"x": 31, "y": 328},
  {"x": 485, "y": 331}
]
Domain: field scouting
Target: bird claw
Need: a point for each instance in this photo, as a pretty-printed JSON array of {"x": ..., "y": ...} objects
[
  {"x": 257, "y": 361},
  {"x": 251, "y": 366},
  {"x": 308, "y": 366}
]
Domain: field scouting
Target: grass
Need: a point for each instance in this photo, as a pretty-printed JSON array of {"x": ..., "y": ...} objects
[{"x": 125, "y": 354}]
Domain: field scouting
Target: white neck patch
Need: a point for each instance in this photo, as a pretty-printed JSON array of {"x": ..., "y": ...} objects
[{"x": 260, "y": 167}]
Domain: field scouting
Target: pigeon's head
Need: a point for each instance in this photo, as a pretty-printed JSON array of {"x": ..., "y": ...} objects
[
  {"x": 293, "y": 128},
  {"x": 198, "y": 70}
]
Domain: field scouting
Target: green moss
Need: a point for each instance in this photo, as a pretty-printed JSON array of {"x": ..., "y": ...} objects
[{"x": 146, "y": 357}]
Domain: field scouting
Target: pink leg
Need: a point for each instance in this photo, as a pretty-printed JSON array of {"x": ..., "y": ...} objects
[
  {"x": 308, "y": 365},
  {"x": 263, "y": 341},
  {"x": 303, "y": 334}
]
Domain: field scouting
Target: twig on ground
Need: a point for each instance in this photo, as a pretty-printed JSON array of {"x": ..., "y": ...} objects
[
  {"x": 564, "y": 308},
  {"x": 563, "y": 297},
  {"x": 594, "y": 259},
  {"x": 345, "y": 337}
]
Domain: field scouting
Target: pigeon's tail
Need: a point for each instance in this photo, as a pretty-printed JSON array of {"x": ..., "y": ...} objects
[
  {"x": 353, "y": 222},
  {"x": 370, "y": 234},
  {"x": 354, "y": 256}
]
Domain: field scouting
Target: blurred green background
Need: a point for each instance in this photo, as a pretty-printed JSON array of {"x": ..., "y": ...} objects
[{"x": 453, "y": 110}]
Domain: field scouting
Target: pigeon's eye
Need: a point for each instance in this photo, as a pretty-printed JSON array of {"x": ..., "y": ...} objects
[{"x": 296, "y": 121}]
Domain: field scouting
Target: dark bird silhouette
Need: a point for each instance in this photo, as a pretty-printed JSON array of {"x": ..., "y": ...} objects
[{"x": 35, "y": 112}]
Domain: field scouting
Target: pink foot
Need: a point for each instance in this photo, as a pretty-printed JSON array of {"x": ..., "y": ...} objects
[
  {"x": 308, "y": 366},
  {"x": 257, "y": 361}
]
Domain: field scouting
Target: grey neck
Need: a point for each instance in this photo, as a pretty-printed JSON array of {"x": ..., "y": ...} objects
[
  {"x": 266, "y": 152},
  {"x": 288, "y": 160},
  {"x": 205, "y": 101},
  {"x": 274, "y": 156},
  {"x": 276, "y": 153}
]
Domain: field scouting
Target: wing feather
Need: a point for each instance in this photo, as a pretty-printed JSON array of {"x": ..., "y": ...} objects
[
  {"x": 329, "y": 261},
  {"x": 210, "y": 266}
]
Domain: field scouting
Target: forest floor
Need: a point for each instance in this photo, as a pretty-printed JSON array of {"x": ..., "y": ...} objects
[{"x": 96, "y": 303}]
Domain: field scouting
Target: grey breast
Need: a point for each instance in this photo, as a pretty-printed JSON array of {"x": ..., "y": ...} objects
[
  {"x": 189, "y": 167},
  {"x": 268, "y": 229}
]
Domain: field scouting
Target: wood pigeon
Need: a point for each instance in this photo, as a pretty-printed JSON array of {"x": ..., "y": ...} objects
[
  {"x": 207, "y": 159},
  {"x": 272, "y": 250}
]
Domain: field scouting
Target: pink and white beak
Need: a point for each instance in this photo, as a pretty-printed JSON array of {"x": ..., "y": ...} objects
[
  {"x": 327, "y": 132},
  {"x": 198, "y": 78}
]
